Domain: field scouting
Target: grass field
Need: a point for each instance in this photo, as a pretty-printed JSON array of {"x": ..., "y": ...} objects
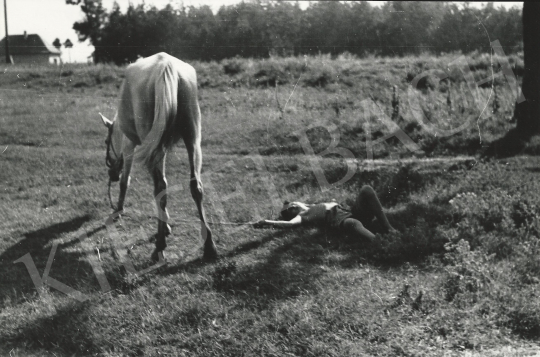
[{"x": 462, "y": 277}]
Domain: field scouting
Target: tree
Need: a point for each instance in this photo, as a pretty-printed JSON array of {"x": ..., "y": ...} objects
[
  {"x": 363, "y": 21},
  {"x": 325, "y": 29},
  {"x": 56, "y": 43},
  {"x": 408, "y": 25},
  {"x": 242, "y": 30},
  {"x": 68, "y": 45},
  {"x": 458, "y": 31},
  {"x": 284, "y": 28},
  {"x": 504, "y": 25},
  {"x": 95, "y": 17},
  {"x": 257, "y": 29},
  {"x": 527, "y": 112},
  {"x": 200, "y": 33},
  {"x": 465, "y": 30}
]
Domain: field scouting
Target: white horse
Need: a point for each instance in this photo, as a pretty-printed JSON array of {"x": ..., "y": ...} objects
[{"x": 158, "y": 105}]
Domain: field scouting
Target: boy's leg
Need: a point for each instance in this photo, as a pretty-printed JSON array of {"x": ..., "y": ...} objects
[
  {"x": 368, "y": 206},
  {"x": 354, "y": 228}
]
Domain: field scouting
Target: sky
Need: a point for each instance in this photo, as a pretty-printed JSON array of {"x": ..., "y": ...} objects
[{"x": 53, "y": 19}]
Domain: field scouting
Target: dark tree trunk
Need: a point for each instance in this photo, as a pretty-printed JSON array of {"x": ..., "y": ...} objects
[{"x": 528, "y": 112}]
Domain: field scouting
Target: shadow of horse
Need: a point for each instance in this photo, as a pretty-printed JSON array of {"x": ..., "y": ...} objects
[
  {"x": 68, "y": 267},
  {"x": 64, "y": 331}
]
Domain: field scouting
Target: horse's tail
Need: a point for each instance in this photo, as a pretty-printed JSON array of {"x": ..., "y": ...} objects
[{"x": 166, "y": 104}]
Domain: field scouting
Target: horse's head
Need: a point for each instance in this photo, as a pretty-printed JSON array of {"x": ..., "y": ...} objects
[{"x": 113, "y": 156}]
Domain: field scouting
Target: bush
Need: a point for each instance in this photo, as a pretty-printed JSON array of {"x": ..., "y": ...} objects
[
  {"x": 320, "y": 76},
  {"x": 521, "y": 312},
  {"x": 495, "y": 220},
  {"x": 234, "y": 66},
  {"x": 270, "y": 73},
  {"x": 527, "y": 262},
  {"x": 467, "y": 271}
]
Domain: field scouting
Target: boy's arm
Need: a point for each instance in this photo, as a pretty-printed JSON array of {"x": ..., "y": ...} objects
[{"x": 295, "y": 222}]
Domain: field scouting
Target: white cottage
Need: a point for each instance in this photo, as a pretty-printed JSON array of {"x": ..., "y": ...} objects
[{"x": 29, "y": 49}]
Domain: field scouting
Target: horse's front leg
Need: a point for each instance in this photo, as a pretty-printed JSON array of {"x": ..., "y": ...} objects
[
  {"x": 125, "y": 179},
  {"x": 160, "y": 195}
]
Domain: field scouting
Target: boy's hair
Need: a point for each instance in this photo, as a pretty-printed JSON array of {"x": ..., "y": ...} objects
[{"x": 286, "y": 214}]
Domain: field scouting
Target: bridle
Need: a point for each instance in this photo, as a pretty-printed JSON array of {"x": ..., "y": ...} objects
[
  {"x": 112, "y": 165},
  {"x": 108, "y": 141}
]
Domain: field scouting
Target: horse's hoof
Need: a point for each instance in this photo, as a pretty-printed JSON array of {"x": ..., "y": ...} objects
[
  {"x": 157, "y": 255},
  {"x": 118, "y": 213},
  {"x": 113, "y": 217},
  {"x": 210, "y": 251}
]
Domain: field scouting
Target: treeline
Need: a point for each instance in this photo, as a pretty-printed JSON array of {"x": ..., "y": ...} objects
[{"x": 283, "y": 29}]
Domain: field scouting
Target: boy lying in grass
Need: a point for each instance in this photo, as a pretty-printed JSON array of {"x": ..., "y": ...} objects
[{"x": 365, "y": 218}]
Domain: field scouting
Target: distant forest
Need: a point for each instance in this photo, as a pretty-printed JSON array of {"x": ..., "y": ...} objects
[{"x": 263, "y": 29}]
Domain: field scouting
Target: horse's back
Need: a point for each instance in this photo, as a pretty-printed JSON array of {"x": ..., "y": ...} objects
[
  {"x": 138, "y": 94},
  {"x": 147, "y": 70}
]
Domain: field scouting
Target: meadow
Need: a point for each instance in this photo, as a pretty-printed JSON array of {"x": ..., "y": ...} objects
[{"x": 461, "y": 278}]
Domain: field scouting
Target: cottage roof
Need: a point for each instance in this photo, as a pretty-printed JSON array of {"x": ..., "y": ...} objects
[{"x": 27, "y": 45}]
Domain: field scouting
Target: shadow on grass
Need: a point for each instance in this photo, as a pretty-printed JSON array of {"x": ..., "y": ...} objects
[
  {"x": 243, "y": 248},
  {"x": 68, "y": 268},
  {"x": 64, "y": 333},
  {"x": 291, "y": 268},
  {"x": 512, "y": 144},
  {"x": 297, "y": 259},
  {"x": 289, "y": 264}
]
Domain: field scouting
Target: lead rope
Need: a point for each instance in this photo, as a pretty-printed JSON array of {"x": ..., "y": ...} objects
[
  {"x": 220, "y": 223},
  {"x": 185, "y": 220},
  {"x": 115, "y": 209}
]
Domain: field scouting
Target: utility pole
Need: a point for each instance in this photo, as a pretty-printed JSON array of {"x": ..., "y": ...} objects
[{"x": 8, "y": 58}]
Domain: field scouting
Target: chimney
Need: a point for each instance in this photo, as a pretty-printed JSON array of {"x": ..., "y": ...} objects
[{"x": 25, "y": 35}]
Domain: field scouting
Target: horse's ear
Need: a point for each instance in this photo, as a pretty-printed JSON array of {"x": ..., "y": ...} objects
[
  {"x": 285, "y": 203},
  {"x": 106, "y": 121}
]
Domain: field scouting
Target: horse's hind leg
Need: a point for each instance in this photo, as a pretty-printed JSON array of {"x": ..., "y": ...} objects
[
  {"x": 210, "y": 251},
  {"x": 160, "y": 195},
  {"x": 192, "y": 139}
]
